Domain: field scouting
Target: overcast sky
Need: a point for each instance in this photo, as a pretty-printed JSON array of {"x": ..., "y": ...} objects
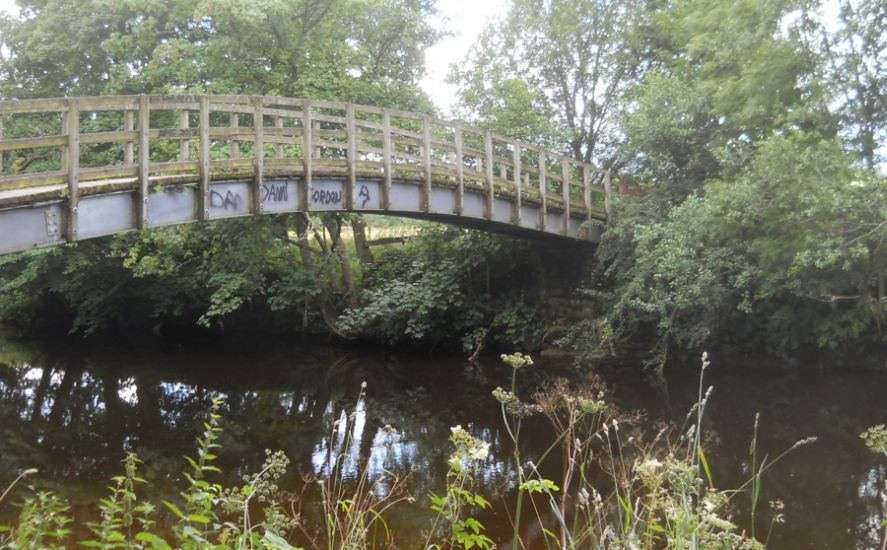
[{"x": 463, "y": 18}]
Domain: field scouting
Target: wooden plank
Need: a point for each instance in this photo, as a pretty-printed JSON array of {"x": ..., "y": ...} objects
[
  {"x": 235, "y": 145},
  {"x": 2, "y": 121},
  {"x": 107, "y": 172},
  {"x": 33, "y": 142},
  {"x": 192, "y": 166},
  {"x": 23, "y": 106},
  {"x": 350, "y": 130},
  {"x": 144, "y": 159},
  {"x": 543, "y": 189},
  {"x": 490, "y": 190},
  {"x": 307, "y": 153},
  {"x": 259, "y": 160},
  {"x": 608, "y": 207},
  {"x": 278, "y": 149},
  {"x": 72, "y": 165},
  {"x": 386, "y": 159},
  {"x": 129, "y": 146},
  {"x": 203, "y": 196},
  {"x": 426, "y": 163},
  {"x": 565, "y": 191},
  {"x": 515, "y": 159},
  {"x": 33, "y": 179},
  {"x": 109, "y": 103},
  {"x": 183, "y": 143},
  {"x": 109, "y": 137},
  {"x": 586, "y": 189},
  {"x": 460, "y": 172}
]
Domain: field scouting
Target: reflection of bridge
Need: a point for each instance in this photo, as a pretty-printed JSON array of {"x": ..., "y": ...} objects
[{"x": 79, "y": 168}]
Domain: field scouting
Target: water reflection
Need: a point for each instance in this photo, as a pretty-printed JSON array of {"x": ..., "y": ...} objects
[{"x": 74, "y": 412}]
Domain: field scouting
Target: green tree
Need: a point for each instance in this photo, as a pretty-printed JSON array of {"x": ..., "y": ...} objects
[
  {"x": 369, "y": 51},
  {"x": 554, "y": 72}
]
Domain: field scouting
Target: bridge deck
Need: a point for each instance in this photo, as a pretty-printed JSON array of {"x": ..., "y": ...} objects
[{"x": 82, "y": 167}]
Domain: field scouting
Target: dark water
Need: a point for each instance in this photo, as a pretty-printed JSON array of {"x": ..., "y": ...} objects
[{"x": 73, "y": 410}]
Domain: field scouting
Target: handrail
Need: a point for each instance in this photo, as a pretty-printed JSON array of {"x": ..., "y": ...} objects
[{"x": 200, "y": 138}]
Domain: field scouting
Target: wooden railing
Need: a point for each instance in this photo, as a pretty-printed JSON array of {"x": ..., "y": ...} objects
[{"x": 145, "y": 141}]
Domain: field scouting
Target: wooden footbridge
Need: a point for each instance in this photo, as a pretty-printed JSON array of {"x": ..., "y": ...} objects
[{"x": 78, "y": 168}]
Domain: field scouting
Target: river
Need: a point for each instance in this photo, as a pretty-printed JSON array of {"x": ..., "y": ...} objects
[{"x": 71, "y": 409}]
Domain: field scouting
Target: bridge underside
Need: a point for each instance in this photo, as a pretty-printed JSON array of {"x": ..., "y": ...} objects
[{"x": 37, "y": 217}]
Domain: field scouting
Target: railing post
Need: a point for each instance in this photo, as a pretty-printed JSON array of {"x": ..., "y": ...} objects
[
  {"x": 426, "y": 161},
  {"x": 608, "y": 207},
  {"x": 515, "y": 159},
  {"x": 460, "y": 170},
  {"x": 565, "y": 191},
  {"x": 278, "y": 149},
  {"x": 72, "y": 163},
  {"x": 144, "y": 158},
  {"x": 491, "y": 184},
  {"x": 184, "y": 152},
  {"x": 259, "y": 160},
  {"x": 205, "y": 200},
  {"x": 128, "y": 148},
  {"x": 2, "y": 122},
  {"x": 543, "y": 189},
  {"x": 386, "y": 158},
  {"x": 235, "y": 144},
  {"x": 307, "y": 153},
  {"x": 351, "y": 138}
]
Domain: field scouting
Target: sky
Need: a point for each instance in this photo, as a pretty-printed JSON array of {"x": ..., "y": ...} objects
[{"x": 463, "y": 19}]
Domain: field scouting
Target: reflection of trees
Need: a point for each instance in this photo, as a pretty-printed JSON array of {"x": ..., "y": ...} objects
[{"x": 74, "y": 418}]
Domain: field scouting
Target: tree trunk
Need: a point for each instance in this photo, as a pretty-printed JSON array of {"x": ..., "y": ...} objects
[{"x": 361, "y": 244}]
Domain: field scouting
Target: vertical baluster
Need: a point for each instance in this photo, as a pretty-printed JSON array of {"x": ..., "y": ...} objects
[
  {"x": 586, "y": 190},
  {"x": 351, "y": 139},
  {"x": 259, "y": 157},
  {"x": 515, "y": 159},
  {"x": 184, "y": 143},
  {"x": 543, "y": 189},
  {"x": 129, "y": 146},
  {"x": 565, "y": 191},
  {"x": 607, "y": 191},
  {"x": 278, "y": 149},
  {"x": 386, "y": 158},
  {"x": 205, "y": 197},
  {"x": 491, "y": 184},
  {"x": 426, "y": 160},
  {"x": 460, "y": 171},
  {"x": 72, "y": 164},
  {"x": 144, "y": 158},
  {"x": 2, "y": 122},
  {"x": 307, "y": 153},
  {"x": 235, "y": 145}
]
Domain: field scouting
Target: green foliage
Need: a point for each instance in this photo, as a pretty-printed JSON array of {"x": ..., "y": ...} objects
[
  {"x": 350, "y": 50},
  {"x": 41, "y": 524},
  {"x": 182, "y": 274},
  {"x": 353, "y": 50},
  {"x": 460, "y": 498},
  {"x": 789, "y": 254},
  {"x": 553, "y": 73},
  {"x": 447, "y": 284}
]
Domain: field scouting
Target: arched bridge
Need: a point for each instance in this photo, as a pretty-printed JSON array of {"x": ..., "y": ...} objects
[{"x": 78, "y": 168}]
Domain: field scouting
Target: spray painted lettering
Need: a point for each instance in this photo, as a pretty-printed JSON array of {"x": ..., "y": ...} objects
[
  {"x": 228, "y": 201},
  {"x": 275, "y": 192},
  {"x": 326, "y": 197},
  {"x": 364, "y": 195}
]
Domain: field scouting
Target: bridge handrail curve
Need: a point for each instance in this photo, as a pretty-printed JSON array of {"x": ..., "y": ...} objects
[{"x": 342, "y": 139}]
